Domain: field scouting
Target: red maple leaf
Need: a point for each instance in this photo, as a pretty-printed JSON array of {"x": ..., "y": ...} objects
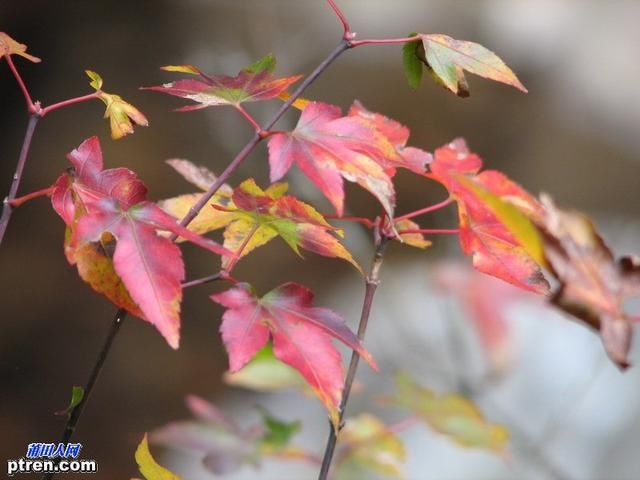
[
  {"x": 495, "y": 250},
  {"x": 94, "y": 202},
  {"x": 301, "y": 335},
  {"x": 328, "y": 147}
]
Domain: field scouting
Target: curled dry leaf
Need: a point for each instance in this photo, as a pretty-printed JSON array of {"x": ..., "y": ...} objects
[{"x": 593, "y": 286}]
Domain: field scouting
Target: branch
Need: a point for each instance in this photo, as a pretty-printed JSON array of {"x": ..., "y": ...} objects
[
  {"x": 371, "y": 284},
  {"x": 17, "y": 176},
  {"x": 74, "y": 417}
]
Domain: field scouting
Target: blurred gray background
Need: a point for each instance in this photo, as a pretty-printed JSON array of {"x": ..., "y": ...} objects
[{"x": 575, "y": 135}]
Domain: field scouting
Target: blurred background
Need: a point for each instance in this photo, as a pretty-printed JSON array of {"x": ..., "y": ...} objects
[{"x": 575, "y": 135}]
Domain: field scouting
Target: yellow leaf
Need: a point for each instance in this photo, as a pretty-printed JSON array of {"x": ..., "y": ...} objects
[
  {"x": 412, "y": 239},
  {"x": 149, "y": 467}
]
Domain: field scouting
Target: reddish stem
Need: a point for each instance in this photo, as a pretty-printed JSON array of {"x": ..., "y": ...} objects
[
  {"x": 343, "y": 20},
  {"x": 432, "y": 231},
  {"x": 378, "y": 41},
  {"x": 429, "y": 209},
  {"x": 65, "y": 103},
  {"x": 33, "y": 108},
  {"x": 364, "y": 221},
  {"x": 16, "y": 202},
  {"x": 251, "y": 120}
]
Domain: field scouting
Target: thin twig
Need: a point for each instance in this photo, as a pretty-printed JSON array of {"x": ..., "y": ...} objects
[
  {"x": 343, "y": 19},
  {"x": 31, "y": 107},
  {"x": 74, "y": 417},
  {"x": 431, "y": 208},
  {"x": 65, "y": 103},
  {"x": 383, "y": 41},
  {"x": 372, "y": 281},
  {"x": 17, "y": 176}
]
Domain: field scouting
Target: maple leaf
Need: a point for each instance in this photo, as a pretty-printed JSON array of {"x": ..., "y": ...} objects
[
  {"x": 593, "y": 286},
  {"x": 99, "y": 205},
  {"x": 252, "y": 84},
  {"x": 328, "y": 147},
  {"x": 368, "y": 444},
  {"x": 495, "y": 247},
  {"x": 446, "y": 60},
  {"x": 253, "y": 217},
  {"x": 8, "y": 46},
  {"x": 452, "y": 415},
  {"x": 301, "y": 336},
  {"x": 119, "y": 112}
]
